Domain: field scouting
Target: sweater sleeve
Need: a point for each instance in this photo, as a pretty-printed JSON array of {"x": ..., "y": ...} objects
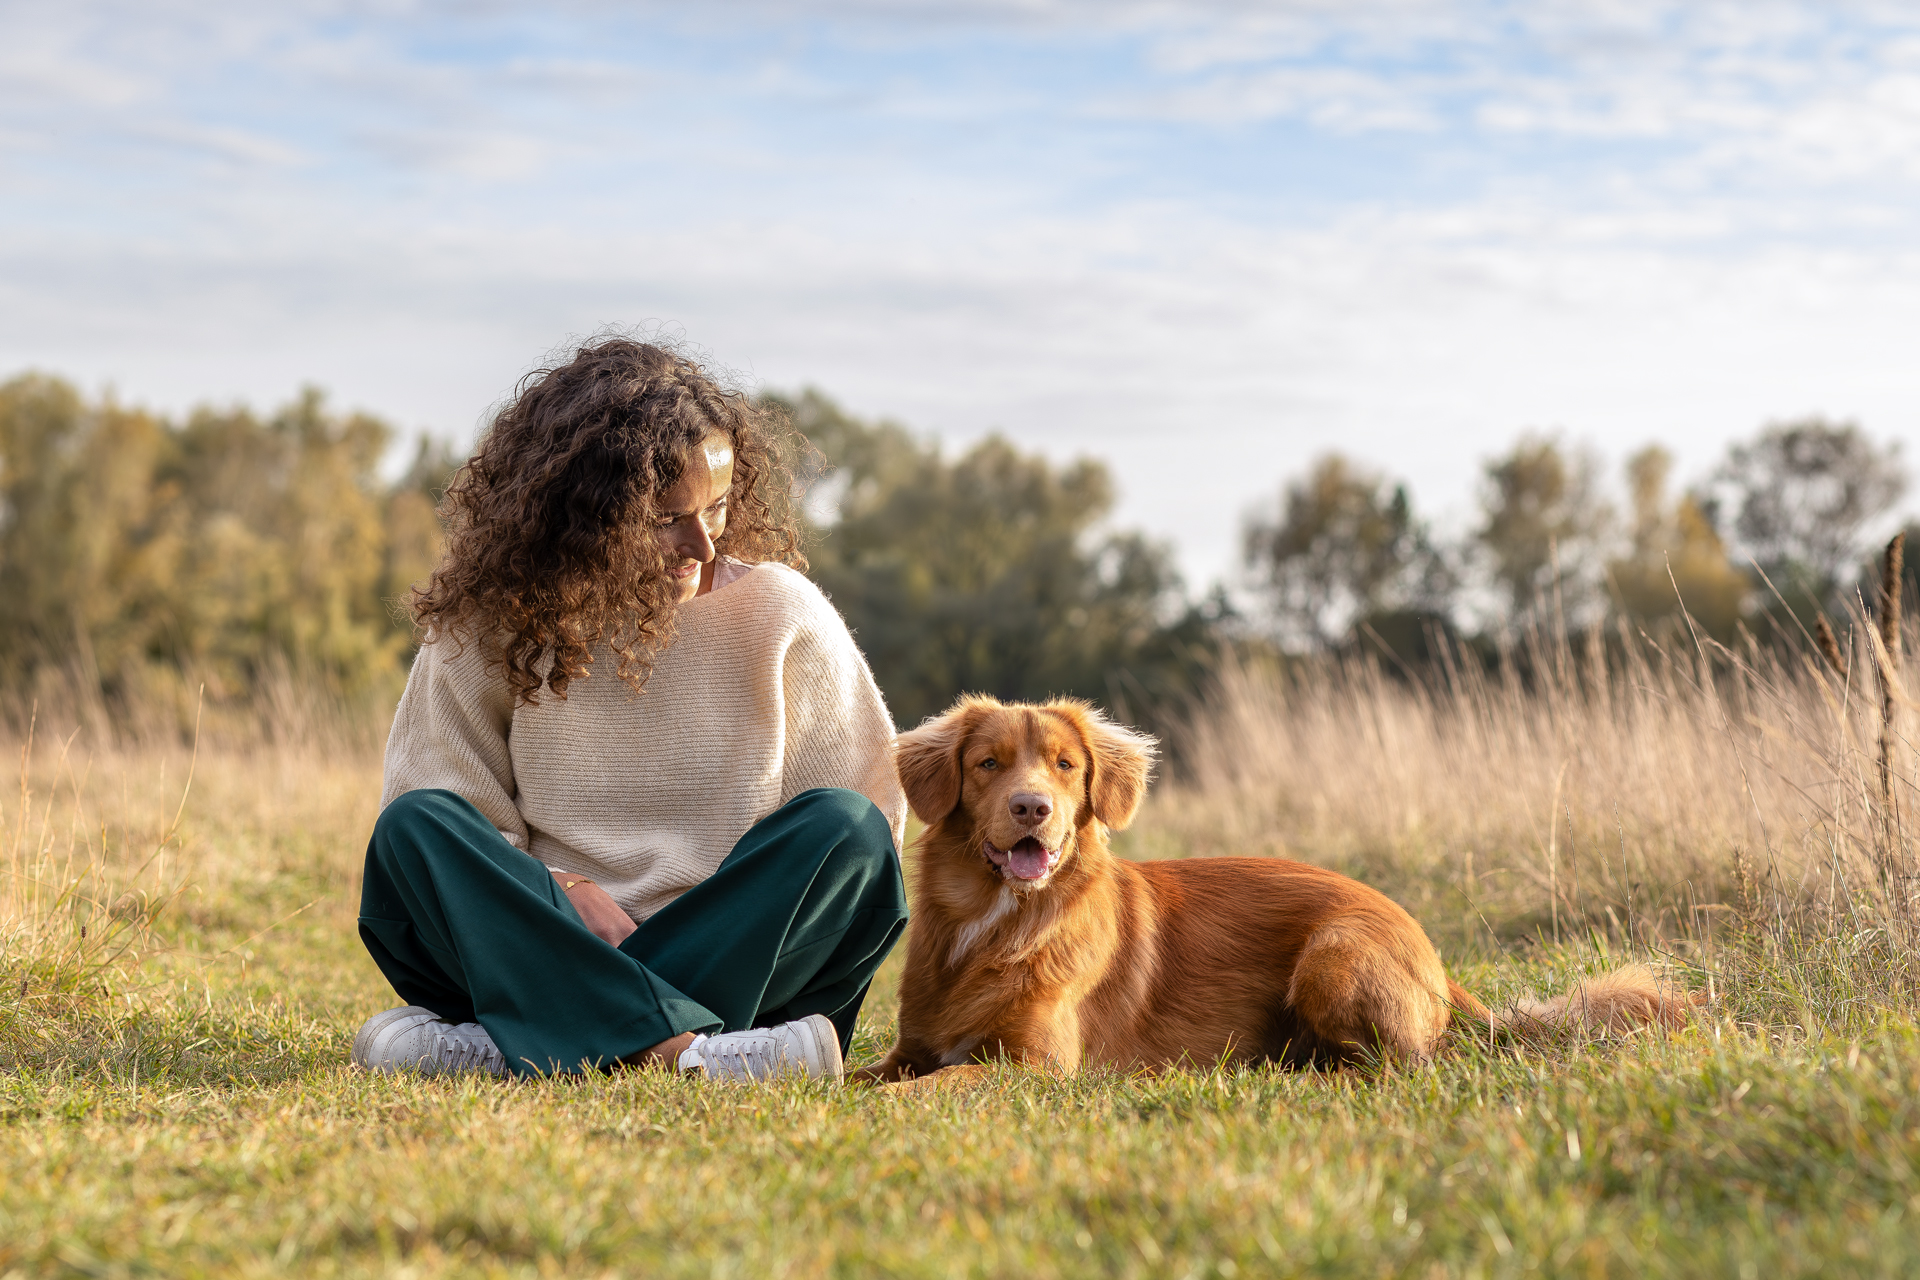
[
  {"x": 838, "y": 732},
  {"x": 450, "y": 732}
]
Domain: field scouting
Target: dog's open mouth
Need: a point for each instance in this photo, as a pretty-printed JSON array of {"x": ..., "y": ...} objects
[{"x": 1028, "y": 859}]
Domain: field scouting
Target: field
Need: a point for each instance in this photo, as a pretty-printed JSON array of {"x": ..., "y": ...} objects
[{"x": 182, "y": 978}]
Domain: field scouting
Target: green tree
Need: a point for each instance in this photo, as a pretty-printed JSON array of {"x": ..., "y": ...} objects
[
  {"x": 1674, "y": 556},
  {"x": 990, "y": 573},
  {"x": 1543, "y": 526},
  {"x": 414, "y": 534},
  {"x": 220, "y": 546},
  {"x": 1801, "y": 496},
  {"x": 1344, "y": 549},
  {"x": 284, "y": 540},
  {"x": 77, "y": 511}
]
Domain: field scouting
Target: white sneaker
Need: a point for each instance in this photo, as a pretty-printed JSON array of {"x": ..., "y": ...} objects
[
  {"x": 809, "y": 1047},
  {"x": 415, "y": 1039}
]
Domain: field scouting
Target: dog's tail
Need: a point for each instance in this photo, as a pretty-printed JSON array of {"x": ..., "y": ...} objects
[{"x": 1628, "y": 998}]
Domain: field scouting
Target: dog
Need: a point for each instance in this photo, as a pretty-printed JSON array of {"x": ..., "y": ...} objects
[{"x": 1030, "y": 941}]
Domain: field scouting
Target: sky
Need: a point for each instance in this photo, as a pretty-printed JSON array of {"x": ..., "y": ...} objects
[{"x": 1204, "y": 241}]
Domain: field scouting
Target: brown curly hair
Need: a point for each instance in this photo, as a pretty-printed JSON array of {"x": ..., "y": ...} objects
[{"x": 550, "y": 542}]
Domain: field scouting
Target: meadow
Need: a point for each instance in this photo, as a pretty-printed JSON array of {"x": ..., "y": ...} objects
[{"x": 180, "y": 979}]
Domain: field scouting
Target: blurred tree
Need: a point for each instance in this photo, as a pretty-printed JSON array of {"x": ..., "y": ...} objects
[
  {"x": 77, "y": 508},
  {"x": 414, "y": 534},
  {"x": 220, "y": 546},
  {"x": 284, "y": 538},
  {"x": 1801, "y": 496},
  {"x": 1544, "y": 526},
  {"x": 988, "y": 573},
  {"x": 1344, "y": 549},
  {"x": 1675, "y": 556}
]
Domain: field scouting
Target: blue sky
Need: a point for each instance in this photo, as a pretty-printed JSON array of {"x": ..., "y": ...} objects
[{"x": 1205, "y": 241}]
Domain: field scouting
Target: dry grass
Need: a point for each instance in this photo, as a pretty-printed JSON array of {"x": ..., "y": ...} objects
[
  {"x": 173, "y": 1094},
  {"x": 1649, "y": 793},
  {"x": 159, "y": 876}
]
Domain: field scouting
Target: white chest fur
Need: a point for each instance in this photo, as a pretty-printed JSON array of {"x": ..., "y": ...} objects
[{"x": 1003, "y": 903}]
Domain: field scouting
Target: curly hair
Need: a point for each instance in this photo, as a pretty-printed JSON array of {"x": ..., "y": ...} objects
[{"x": 551, "y": 547}]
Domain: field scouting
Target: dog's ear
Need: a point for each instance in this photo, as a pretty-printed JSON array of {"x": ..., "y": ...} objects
[
  {"x": 928, "y": 761},
  {"x": 1122, "y": 763}
]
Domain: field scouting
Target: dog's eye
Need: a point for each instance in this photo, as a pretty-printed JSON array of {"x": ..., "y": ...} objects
[
  {"x": 989, "y": 763},
  {"x": 1066, "y": 764}
]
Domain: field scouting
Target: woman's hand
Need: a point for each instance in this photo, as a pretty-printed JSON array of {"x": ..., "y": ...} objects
[{"x": 597, "y": 908}]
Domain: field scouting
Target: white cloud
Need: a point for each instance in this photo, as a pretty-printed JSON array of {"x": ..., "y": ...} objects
[
  {"x": 483, "y": 155},
  {"x": 227, "y": 143},
  {"x": 1340, "y": 99}
]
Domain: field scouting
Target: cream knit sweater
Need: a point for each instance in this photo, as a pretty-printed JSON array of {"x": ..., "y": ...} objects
[{"x": 761, "y": 696}]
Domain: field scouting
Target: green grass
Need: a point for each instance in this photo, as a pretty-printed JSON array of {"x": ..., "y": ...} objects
[{"x": 188, "y": 1111}]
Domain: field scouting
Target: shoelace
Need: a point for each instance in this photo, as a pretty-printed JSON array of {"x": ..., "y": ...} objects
[
  {"x": 762, "y": 1052},
  {"x": 460, "y": 1054}
]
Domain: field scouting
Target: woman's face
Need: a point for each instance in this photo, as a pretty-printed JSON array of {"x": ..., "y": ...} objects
[{"x": 693, "y": 514}]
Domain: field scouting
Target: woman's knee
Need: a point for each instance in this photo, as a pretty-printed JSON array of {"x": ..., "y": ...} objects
[
  {"x": 416, "y": 823},
  {"x": 405, "y": 814},
  {"x": 859, "y": 842},
  {"x": 846, "y": 815}
]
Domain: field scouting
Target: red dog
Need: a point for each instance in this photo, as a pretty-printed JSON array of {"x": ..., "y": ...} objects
[{"x": 1031, "y": 941}]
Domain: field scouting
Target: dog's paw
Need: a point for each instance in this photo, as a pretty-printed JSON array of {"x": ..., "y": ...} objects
[{"x": 968, "y": 1076}]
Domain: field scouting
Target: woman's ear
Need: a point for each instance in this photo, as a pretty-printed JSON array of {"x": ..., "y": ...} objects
[
  {"x": 1122, "y": 763},
  {"x": 928, "y": 761}
]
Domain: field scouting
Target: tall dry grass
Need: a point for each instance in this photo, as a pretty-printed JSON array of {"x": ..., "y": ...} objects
[
  {"x": 1621, "y": 790},
  {"x": 159, "y": 706},
  {"x": 78, "y": 888},
  {"x": 97, "y": 837},
  {"x": 140, "y": 866}
]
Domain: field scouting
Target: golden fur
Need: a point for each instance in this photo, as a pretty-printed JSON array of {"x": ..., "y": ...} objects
[{"x": 1031, "y": 941}]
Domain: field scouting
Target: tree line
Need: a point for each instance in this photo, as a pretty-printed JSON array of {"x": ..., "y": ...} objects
[
  {"x": 141, "y": 554},
  {"x": 1773, "y": 536},
  {"x": 138, "y": 553}
]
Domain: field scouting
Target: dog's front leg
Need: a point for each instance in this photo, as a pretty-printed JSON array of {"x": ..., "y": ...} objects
[
  {"x": 1054, "y": 1051},
  {"x": 903, "y": 1062},
  {"x": 1046, "y": 1038},
  {"x": 946, "y": 1079}
]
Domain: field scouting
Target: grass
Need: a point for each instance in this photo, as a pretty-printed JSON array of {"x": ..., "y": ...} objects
[
  {"x": 174, "y": 1098},
  {"x": 1653, "y": 1160}
]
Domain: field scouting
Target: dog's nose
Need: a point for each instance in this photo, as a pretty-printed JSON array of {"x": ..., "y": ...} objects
[{"x": 1029, "y": 806}]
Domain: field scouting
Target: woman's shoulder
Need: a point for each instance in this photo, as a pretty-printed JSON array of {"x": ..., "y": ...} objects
[
  {"x": 779, "y": 587},
  {"x": 462, "y": 652},
  {"x": 777, "y": 606}
]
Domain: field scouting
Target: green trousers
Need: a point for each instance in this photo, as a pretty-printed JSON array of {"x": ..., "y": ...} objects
[{"x": 794, "y": 922}]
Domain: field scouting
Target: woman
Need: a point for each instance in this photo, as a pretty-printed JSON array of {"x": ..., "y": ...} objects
[{"x": 639, "y": 804}]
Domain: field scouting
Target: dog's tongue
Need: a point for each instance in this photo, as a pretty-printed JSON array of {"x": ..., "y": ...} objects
[{"x": 1027, "y": 859}]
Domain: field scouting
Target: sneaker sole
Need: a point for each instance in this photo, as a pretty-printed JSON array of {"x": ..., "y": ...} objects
[
  {"x": 363, "y": 1040},
  {"x": 827, "y": 1037}
]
